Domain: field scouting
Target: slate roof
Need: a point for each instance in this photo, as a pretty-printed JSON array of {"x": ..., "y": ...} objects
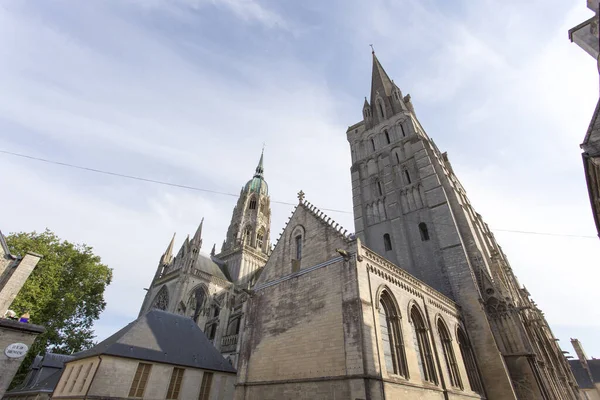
[
  {"x": 163, "y": 337},
  {"x": 581, "y": 375},
  {"x": 207, "y": 264},
  {"x": 44, "y": 374}
]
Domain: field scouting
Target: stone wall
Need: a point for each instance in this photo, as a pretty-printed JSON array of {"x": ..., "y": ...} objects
[
  {"x": 13, "y": 332},
  {"x": 111, "y": 377}
]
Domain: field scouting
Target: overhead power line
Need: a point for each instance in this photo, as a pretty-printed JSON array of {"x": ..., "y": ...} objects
[{"x": 138, "y": 178}]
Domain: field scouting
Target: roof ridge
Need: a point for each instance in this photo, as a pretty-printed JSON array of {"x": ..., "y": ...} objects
[{"x": 321, "y": 216}]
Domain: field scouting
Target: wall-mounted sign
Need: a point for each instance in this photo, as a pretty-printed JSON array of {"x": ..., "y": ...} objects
[{"x": 16, "y": 350}]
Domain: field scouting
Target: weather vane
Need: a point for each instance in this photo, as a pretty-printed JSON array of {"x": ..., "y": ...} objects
[{"x": 372, "y": 49}]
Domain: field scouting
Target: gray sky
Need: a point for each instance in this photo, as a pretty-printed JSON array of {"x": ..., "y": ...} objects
[{"x": 187, "y": 91}]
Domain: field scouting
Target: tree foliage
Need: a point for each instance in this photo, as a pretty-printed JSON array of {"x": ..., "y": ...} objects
[{"x": 64, "y": 293}]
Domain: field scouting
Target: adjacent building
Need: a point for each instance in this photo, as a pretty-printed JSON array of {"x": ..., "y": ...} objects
[
  {"x": 586, "y": 36},
  {"x": 15, "y": 337},
  {"x": 587, "y": 372},
  {"x": 158, "y": 356},
  {"x": 43, "y": 375}
]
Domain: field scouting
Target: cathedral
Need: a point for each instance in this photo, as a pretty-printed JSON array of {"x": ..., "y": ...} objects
[{"x": 419, "y": 303}]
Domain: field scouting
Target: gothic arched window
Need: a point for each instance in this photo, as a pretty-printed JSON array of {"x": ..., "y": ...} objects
[
  {"x": 424, "y": 231},
  {"x": 423, "y": 346},
  {"x": 398, "y": 158},
  {"x": 469, "y": 360},
  {"x": 234, "y": 327},
  {"x": 407, "y": 175},
  {"x": 379, "y": 188},
  {"x": 402, "y": 130},
  {"x": 260, "y": 237},
  {"x": 387, "y": 136},
  {"x": 387, "y": 242},
  {"x": 198, "y": 302},
  {"x": 451, "y": 364},
  {"x": 299, "y": 247},
  {"x": 380, "y": 105},
  {"x": 248, "y": 235},
  {"x": 252, "y": 205},
  {"x": 373, "y": 144},
  {"x": 161, "y": 301},
  {"x": 391, "y": 336}
]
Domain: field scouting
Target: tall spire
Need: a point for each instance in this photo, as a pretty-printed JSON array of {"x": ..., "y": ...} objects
[
  {"x": 380, "y": 81},
  {"x": 197, "y": 239},
  {"x": 168, "y": 255},
  {"x": 259, "y": 168}
]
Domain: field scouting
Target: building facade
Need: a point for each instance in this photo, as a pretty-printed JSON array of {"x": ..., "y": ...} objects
[
  {"x": 160, "y": 355},
  {"x": 420, "y": 303},
  {"x": 586, "y": 371},
  {"x": 211, "y": 289}
]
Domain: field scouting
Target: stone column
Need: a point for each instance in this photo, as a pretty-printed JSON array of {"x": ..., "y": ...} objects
[{"x": 16, "y": 334}]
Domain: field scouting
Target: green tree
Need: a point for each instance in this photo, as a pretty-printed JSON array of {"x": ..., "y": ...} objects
[{"x": 64, "y": 293}]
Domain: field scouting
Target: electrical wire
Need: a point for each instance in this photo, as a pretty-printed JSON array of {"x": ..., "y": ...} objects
[{"x": 99, "y": 171}]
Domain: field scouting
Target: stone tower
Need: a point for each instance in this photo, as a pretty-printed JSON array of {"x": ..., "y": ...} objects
[
  {"x": 410, "y": 207},
  {"x": 247, "y": 245}
]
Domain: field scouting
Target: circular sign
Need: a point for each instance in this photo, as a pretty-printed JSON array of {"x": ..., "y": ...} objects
[{"x": 16, "y": 350}]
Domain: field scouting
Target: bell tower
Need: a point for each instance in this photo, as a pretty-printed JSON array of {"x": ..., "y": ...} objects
[
  {"x": 410, "y": 207},
  {"x": 247, "y": 245}
]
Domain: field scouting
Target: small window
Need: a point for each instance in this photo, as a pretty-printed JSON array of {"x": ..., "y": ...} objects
[
  {"x": 247, "y": 236},
  {"x": 373, "y": 144},
  {"x": 424, "y": 231},
  {"x": 381, "y": 114},
  {"x": 397, "y": 158},
  {"x": 205, "y": 387},
  {"x": 379, "y": 188},
  {"x": 85, "y": 377},
  {"x": 139, "y": 380},
  {"x": 387, "y": 242},
  {"x": 259, "y": 240},
  {"x": 298, "y": 247},
  {"x": 402, "y": 129},
  {"x": 64, "y": 386},
  {"x": 407, "y": 175},
  {"x": 175, "y": 383},
  {"x": 252, "y": 205},
  {"x": 387, "y": 136},
  {"x": 76, "y": 377}
]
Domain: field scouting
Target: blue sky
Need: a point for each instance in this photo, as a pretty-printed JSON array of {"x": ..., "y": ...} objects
[{"x": 186, "y": 91}]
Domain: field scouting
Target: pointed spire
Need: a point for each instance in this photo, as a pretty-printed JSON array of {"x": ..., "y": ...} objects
[
  {"x": 197, "y": 239},
  {"x": 380, "y": 81},
  {"x": 259, "y": 168},
  {"x": 214, "y": 250},
  {"x": 168, "y": 254},
  {"x": 366, "y": 103}
]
